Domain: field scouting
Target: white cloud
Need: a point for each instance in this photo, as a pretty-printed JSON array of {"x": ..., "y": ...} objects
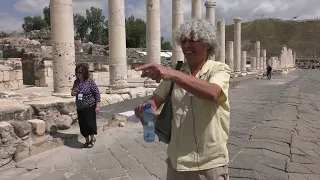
[{"x": 227, "y": 9}]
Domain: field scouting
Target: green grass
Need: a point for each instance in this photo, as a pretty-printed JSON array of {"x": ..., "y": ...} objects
[{"x": 301, "y": 36}]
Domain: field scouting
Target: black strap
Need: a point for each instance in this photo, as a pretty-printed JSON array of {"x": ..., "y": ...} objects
[{"x": 178, "y": 66}]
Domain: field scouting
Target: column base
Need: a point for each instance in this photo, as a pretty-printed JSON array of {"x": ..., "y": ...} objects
[
  {"x": 150, "y": 84},
  {"x": 62, "y": 95},
  {"x": 118, "y": 89}
]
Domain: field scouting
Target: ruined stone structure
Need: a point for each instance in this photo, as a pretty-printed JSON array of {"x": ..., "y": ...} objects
[{"x": 229, "y": 58}]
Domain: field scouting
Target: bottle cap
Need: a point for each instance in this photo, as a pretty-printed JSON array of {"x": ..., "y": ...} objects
[{"x": 147, "y": 106}]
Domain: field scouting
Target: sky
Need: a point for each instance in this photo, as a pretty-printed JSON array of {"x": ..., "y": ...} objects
[{"x": 13, "y": 11}]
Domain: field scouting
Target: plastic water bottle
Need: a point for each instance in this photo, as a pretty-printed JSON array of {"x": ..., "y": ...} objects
[{"x": 148, "y": 126}]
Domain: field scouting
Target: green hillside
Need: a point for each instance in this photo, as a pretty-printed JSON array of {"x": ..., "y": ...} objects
[{"x": 302, "y": 36}]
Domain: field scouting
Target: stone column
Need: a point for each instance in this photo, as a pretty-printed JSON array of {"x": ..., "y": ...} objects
[
  {"x": 117, "y": 47},
  {"x": 269, "y": 62},
  {"x": 290, "y": 58},
  {"x": 294, "y": 58},
  {"x": 62, "y": 33},
  {"x": 196, "y": 9},
  {"x": 211, "y": 12},
  {"x": 177, "y": 20},
  {"x": 284, "y": 57},
  {"x": 244, "y": 61},
  {"x": 253, "y": 63},
  {"x": 222, "y": 40},
  {"x": 229, "y": 58},
  {"x": 237, "y": 44},
  {"x": 257, "y": 54},
  {"x": 153, "y": 36},
  {"x": 264, "y": 57}
]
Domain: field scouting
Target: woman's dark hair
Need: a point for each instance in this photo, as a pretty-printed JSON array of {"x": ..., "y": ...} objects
[{"x": 85, "y": 70}]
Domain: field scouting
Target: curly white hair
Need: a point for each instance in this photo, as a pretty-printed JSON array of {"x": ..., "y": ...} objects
[{"x": 199, "y": 30}]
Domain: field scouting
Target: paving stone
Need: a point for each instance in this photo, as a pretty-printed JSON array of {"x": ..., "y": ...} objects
[
  {"x": 159, "y": 170},
  {"x": 312, "y": 176},
  {"x": 315, "y": 168},
  {"x": 296, "y": 176},
  {"x": 274, "y": 146},
  {"x": 297, "y": 151},
  {"x": 138, "y": 174},
  {"x": 91, "y": 173},
  {"x": 147, "y": 160},
  {"x": 81, "y": 165},
  {"x": 271, "y": 134},
  {"x": 303, "y": 144},
  {"x": 119, "y": 152},
  {"x": 97, "y": 149},
  {"x": 105, "y": 163},
  {"x": 112, "y": 173},
  {"x": 301, "y": 159},
  {"x": 129, "y": 163},
  {"x": 297, "y": 168},
  {"x": 103, "y": 155},
  {"x": 53, "y": 176}
]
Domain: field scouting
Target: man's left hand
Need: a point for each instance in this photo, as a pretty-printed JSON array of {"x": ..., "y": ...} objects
[{"x": 155, "y": 71}]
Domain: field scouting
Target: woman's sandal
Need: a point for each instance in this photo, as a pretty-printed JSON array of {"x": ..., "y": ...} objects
[
  {"x": 92, "y": 142},
  {"x": 86, "y": 145}
]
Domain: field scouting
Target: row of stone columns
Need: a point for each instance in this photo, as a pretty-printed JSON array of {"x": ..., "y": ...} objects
[{"x": 61, "y": 13}]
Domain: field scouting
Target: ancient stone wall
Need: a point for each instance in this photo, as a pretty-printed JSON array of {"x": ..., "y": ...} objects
[{"x": 11, "y": 74}]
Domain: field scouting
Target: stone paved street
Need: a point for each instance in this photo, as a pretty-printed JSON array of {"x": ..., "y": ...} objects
[{"x": 275, "y": 131}]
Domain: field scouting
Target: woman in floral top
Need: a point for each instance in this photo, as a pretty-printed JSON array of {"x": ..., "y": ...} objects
[{"x": 88, "y": 101}]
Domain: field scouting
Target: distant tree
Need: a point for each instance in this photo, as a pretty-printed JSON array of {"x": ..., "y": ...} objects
[
  {"x": 135, "y": 32},
  {"x": 165, "y": 45},
  {"x": 46, "y": 14},
  {"x": 34, "y": 23},
  {"x": 105, "y": 34},
  {"x": 81, "y": 26},
  {"x": 96, "y": 24}
]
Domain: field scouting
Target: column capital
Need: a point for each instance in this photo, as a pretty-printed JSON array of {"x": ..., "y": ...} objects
[
  {"x": 210, "y": 4},
  {"x": 237, "y": 19}
]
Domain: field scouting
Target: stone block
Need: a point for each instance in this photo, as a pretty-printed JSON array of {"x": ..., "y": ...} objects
[
  {"x": 49, "y": 72},
  {"x": 37, "y": 83},
  {"x": 104, "y": 75},
  {"x": 45, "y": 146},
  {"x": 94, "y": 75},
  {"x": 22, "y": 152},
  {"x": 15, "y": 75},
  {"x": 21, "y": 128},
  {"x": 6, "y": 76},
  {"x": 91, "y": 67},
  {"x": 97, "y": 66},
  {"x": 38, "y": 126},
  {"x": 45, "y": 81},
  {"x": 1, "y": 76}
]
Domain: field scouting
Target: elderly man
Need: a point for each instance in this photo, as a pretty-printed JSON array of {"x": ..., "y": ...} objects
[{"x": 201, "y": 112}]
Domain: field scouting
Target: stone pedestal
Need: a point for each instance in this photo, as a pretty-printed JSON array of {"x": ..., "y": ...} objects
[
  {"x": 244, "y": 61},
  {"x": 62, "y": 32},
  {"x": 211, "y": 12},
  {"x": 264, "y": 57},
  {"x": 253, "y": 64},
  {"x": 237, "y": 44},
  {"x": 257, "y": 54},
  {"x": 222, "y": 40},
  {"x": 196, "y": 9},
  {"x": 177, "y": 20},
  {"x": 229, "y": 59},
  {"x": 117, "y": 47},
  {"x": 153, "y": 35}
]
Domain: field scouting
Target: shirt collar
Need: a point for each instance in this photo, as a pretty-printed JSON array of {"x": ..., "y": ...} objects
[{"x": 205, "y": 68}]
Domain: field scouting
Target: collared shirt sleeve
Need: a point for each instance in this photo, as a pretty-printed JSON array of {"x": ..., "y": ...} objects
[
  {"x": 163, "y": 89},
  {"x": 220, "y": 75}
]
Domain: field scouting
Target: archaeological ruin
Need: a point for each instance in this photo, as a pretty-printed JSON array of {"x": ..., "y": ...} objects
[{"x": 37, "y": 112}]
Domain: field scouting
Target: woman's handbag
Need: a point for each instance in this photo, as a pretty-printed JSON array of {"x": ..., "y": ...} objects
[{"x": 163, "y": 122}]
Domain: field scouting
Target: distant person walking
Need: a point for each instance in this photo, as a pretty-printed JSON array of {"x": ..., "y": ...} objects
[
  {"x": 269, "y": 69},
  {"x": 87, "y": 101}
]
